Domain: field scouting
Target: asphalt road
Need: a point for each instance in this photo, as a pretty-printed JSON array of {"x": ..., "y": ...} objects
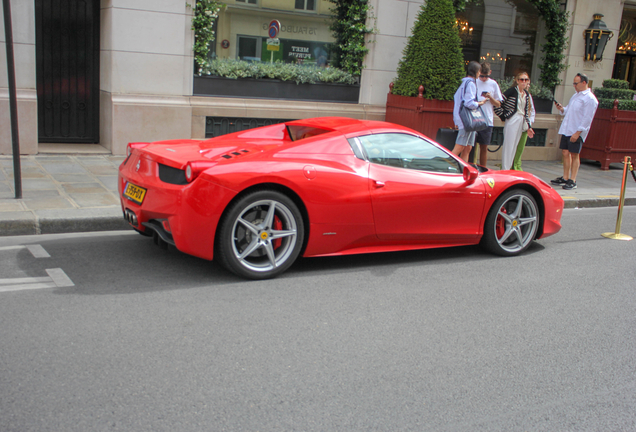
[{"x": 107, "y": 332}]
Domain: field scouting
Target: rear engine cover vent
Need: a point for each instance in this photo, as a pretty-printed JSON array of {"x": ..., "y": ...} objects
[{"x": 234, "y": 154}]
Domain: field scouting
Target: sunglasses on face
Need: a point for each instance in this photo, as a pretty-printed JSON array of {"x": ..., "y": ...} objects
[
  {"x": 523, "y": 79},
  {"x": 483, "y": 76},
  {"x": 577, "y": 83}
]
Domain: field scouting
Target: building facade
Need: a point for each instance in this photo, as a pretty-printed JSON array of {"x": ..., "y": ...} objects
[{"x": 110, "y": 72}]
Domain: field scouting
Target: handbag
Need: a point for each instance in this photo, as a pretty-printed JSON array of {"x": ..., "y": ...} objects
[
  {"x": 447, "y": 137},
  {"x": 474, "y": 120}
]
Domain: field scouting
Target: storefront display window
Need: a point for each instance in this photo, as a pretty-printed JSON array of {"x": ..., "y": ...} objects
[
  {"x": 302, "y": 37},
  {"x": 625, "y": 60},
  {"x": 289, "y": 51}
]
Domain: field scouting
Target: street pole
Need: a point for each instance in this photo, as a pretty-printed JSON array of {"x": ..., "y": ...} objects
[{"x": 13, "y": 105}]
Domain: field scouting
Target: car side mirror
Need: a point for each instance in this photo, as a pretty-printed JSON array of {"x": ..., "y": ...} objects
[{"x": 470, "y": 174}]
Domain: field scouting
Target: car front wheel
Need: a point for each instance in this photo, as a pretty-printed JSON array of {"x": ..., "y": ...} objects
[
  {"x": 261, "y": 235},
  {"x": 511, "y": 224}
]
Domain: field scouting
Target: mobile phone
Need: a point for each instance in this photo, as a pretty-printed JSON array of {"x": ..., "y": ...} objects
[
  {"x": 484, "y": 93},
  {"x": 555, "y": 101}
]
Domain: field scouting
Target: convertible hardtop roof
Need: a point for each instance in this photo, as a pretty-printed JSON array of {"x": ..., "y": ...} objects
[{"x": 340, "y": 124}]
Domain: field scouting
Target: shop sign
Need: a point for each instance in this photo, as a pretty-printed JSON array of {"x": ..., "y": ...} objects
[
  {"x": 273, "y": 44},
  {"x": 299, "y": 52}
]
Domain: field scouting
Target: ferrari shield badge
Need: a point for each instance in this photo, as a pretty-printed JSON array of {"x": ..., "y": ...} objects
[{"x": 491, "y": 182}]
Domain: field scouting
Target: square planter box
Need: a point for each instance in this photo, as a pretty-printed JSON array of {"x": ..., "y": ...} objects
[
  {"x": 274, "y": 89},
  {"x": 423, "y": 115},
  {"x": 611, "y": 136},
  {"x": 542, "y": 106}
]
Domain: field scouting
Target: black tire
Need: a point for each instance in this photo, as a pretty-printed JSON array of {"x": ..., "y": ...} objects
[
  {"x": 512, "y": 223},
  {"x": 256, "y": 243}
]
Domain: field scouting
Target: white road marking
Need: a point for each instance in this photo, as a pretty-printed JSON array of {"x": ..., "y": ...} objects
[
  {"x": 24, "y": 287},
  {"x": 56, "y": 279},
  {"x": 36, "y": 250},
  {"x": 59, "y": 277},
  {"x": 24, "y": 280},
  {"x": 5, "y": 248}
]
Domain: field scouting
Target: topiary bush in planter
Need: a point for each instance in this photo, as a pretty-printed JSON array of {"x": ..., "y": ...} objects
[
  {"x": 421, "y": 97},
  {"x": 612, "y": 90},
  {"x": 611, "y": 136},
  {"x": 433, "y": 55},
  {"x": 616, "y": 83}
]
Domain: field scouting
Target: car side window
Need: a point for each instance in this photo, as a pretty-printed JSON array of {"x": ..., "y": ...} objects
[{"x": 407, "y": 151}]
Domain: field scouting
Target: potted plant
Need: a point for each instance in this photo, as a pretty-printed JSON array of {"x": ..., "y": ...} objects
[
  {"x": 239, "y": 78},
  {"x": 421, "y": 97},
  {"x": 611, "y": 135}
]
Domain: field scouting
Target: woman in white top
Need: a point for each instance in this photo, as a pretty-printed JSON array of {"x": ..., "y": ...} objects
[{"x": 519, "y": 114}]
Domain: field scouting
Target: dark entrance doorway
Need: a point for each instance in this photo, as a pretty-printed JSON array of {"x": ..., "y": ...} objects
[{"x": 67, "y": 65}]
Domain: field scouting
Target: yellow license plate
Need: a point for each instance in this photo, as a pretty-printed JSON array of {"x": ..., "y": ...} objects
[{"x": 135, "y": 193}]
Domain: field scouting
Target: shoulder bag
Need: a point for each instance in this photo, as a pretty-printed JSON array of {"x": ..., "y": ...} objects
[{"x": 474, "y": 120}]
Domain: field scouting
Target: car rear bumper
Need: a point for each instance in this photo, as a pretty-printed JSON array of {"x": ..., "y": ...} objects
[{"x": 183, "y": 215}]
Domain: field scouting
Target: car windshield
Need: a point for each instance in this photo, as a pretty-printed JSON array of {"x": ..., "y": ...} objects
[{"x": 407, "y": 151}]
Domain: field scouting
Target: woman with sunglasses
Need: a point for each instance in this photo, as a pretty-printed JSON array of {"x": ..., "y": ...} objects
[{"x": 518, "y": 113}]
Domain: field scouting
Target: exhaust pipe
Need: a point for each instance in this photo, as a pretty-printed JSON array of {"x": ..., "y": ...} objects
[{"x": 130, "y": 216}]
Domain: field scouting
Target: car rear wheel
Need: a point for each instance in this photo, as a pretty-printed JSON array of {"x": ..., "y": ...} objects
[
  {"x": 261, "y": 235},
  {"x": 511, "y": 224}
]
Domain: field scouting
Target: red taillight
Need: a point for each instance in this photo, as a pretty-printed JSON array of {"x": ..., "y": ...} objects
[{"x": 193, "y": 169}]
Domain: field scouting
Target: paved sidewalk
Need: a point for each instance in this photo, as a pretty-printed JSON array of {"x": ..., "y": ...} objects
[{"x": 78, "y": 192}]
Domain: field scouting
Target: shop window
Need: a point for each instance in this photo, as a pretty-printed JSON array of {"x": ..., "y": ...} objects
[
  {"x": 306, "y": 5},
  {"x": 506, "y": 33},
  {"x": 289, "y": 51},
  {"x": 246, "y": 1},
  {"x": 249, "y": 48},
  {"x": 625, "y": 60},
  {"x": 526, "y": 20},
  {"x": 516, "y": 64}
]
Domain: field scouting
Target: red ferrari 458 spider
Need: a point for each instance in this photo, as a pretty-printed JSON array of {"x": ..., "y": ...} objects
[{"x": 256, "y": 200}]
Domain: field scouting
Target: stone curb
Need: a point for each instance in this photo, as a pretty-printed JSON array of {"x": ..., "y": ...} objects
[
  {"x": 597, "y": 202},
  {"x": 56, "y": 222}
]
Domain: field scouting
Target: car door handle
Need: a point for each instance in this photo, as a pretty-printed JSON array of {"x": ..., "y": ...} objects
[{"x": 378, "y": 184}]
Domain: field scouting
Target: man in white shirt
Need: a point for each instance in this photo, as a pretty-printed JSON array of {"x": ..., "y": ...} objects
[
  {"x": 579, "y": 114},
  {"x": 488, "y": 90}
]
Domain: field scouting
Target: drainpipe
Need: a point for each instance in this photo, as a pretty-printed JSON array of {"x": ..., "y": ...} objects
[{"x": 13, "y": 106}]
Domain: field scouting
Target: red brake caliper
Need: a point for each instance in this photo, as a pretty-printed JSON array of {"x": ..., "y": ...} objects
[
  {"x": 278, "y": 225},
  {"x": 501, "y": 224}
]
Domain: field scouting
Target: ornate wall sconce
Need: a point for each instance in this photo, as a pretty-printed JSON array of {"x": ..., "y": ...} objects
[{"x": 596, "y": 37}]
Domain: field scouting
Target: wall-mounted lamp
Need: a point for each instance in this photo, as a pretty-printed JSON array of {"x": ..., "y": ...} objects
[{"x": 596, "y": 37}]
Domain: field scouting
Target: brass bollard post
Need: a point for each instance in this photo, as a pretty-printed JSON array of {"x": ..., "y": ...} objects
[{"x": 617, "y": 235}]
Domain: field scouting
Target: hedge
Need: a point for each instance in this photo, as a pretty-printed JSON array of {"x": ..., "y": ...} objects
[
  {"x": 616, "y": 84},
  {"x": 624, "y": 104},
  {"x": 230, "y": 68},
  {"x": 613, "y": 93}
]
